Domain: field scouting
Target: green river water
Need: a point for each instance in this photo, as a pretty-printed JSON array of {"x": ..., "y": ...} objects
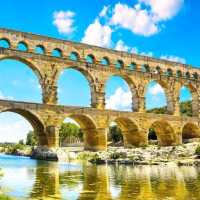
[{"x": 24, "y": 178}]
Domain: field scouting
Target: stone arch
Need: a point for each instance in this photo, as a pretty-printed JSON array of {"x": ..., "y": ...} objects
[
  {"x": 190, "y": 130},
  {"x": 57, "y": 53},
  {"x": 132, "y": 87},
  {"x": 88, "y": 76},
  {"x": 40, "y": 49},
  {"x": 194, "y": 94},
  {"x": 105, "y": 61},
  {"x": 34, "y": 120},
  {"x": 7, "y": 42},
  {"x": 168, "y": 96},
  {"x": 89, "y": 129},
  {"x": 130, "y": 131},
  {"x": 23, "y": 45},
  {"x": 74, "y": 56},
  {"x": 26, "y": 62},
  {"x": 90, "y": 58},
  {"x": 165, "y": 133}
]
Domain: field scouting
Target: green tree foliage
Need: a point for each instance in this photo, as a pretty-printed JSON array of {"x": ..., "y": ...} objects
[
  {"x": 185, "y": 109},
  {"x": 31, "y": 139},
  {"x": 21, "y": 142},
  {"x": 115, "y": 134},
  {"x": 70, "y": 133}
]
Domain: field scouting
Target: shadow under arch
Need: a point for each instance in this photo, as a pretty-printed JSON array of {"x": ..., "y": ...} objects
[
  {"x": 89, "y": 78},
  {"x": 27, "y": 63},
  {"x": 165, "y": 133},
  {"x": 131, "y": 86},
  {"x": 35, "y": 122},
  {"x": 130, "y": 131},
  {"x": 190, "y": 130},
  {"x": 88, "y": 127}
]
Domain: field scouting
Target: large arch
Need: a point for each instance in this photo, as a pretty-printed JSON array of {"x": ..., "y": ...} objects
[
  {"x": 35, "y": 122},
  {"x": 130, "y": 131},
  {"x": 162, "y": 101},
  {"x": 131, "y": 87},
  {"x": 165, "y": 133},
  {"x": 188, "y": 95},
  {"x": 26, "y": 62},
  {"x": 19, "y": 78},
  {"x": 88, "y": 127},
  {"x": 190, "y": 130},
  {"x": 87, "y": 84}
]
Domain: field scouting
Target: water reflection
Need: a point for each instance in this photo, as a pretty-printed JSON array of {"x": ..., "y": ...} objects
[{"x": 48, "y": 180}]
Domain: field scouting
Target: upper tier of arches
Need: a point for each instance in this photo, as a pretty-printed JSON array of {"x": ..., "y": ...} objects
[{"x": 94, "y": 55}]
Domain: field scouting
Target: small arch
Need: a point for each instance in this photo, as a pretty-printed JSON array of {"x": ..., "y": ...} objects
[
  {"x": 39, "y": 49},
  {"x": 164, "y": 132},
  {"x": 105, "y": 61},
  {"x": 74, "y": 56},
  {"x": 178, "y": 73},
  {"x": 132, "y": 66},
  {"x": 4, "y": 43},
  {"x": 145, "y": 68},
  {"x": 195, "y": 75},
  {"x": 169, "y": 72},
  {"x": 90, "y": 59},
  {"x": 187, "y": 75},
  {"x": 119, "y": 64},
  {"x": 158, "y": 70},
  {"x": 190, "y": 131},
  {"x": 22, "y": 46},
  {"x": 57, "y": 53}
]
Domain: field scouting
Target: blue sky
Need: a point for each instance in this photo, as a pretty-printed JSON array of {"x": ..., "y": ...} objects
[{"x": 165, "y": 29}]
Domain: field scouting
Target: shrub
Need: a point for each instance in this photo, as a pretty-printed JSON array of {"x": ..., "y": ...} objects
[{"x": 197, "y": 151}]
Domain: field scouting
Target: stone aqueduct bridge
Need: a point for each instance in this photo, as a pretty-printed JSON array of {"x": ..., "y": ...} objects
[{"x": 46, "y": 118}]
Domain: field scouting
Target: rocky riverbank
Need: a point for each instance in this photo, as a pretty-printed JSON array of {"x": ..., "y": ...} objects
[
  {"x": 151, "y": 155},
  {"x": 185, "y": 154}
]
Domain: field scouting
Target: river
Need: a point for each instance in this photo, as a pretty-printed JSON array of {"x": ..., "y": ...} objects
[{"x": 24, "y": 178}]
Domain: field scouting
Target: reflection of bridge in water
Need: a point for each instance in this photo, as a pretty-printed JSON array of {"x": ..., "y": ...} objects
[
  {"x": 116, "y": 182},
  {"x": 136, "y": 70}
]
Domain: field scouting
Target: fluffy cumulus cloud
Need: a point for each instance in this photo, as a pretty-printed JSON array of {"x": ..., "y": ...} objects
[
  {"x": 98, "y": 34},
  {"x": 121, "y": 46},
  {"x": 64, "y": 21},
  {"x": 137, "y": 20},
  {"x": 163, "y": 9},
  {"x": 120, "y": 100},
  {"x": 173, "y": 58},
  {"x": 104, "y": 11},
  {"x": 145, "y": 17},
  {"x": 156, "y": 89}
]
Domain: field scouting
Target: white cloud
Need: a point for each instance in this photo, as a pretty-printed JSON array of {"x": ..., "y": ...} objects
[
  {"x": 104, "y": 11},
  {"x": 146, "y": 17},
  {"x": 164, "y": 9},
  {"x": 173, "y": 58},
  {"x": 135, "y": 19},
  {"x": 149, "y": 54},
  {"x": 120, "y": 100},
  {"x": 13, "y": 130},
  {"x": 64, "y": 21},
  {"x": 98, "y": 34},
  {"x": 155, "y": 89},
  {"x": 121, "y": 46}
]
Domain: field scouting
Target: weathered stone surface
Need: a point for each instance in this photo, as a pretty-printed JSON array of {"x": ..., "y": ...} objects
[{"x": 46, "y": 118}]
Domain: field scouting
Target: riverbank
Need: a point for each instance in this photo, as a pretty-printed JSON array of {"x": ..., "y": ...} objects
[{"x": 182, "y": 155}]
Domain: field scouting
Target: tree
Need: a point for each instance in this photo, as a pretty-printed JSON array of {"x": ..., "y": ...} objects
[
  {"x": 70, "y": 133},
  {"x": 115, "y": 134},
  {"x": 31, "y": 139},
  {"x": 21, "y": 142}
]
